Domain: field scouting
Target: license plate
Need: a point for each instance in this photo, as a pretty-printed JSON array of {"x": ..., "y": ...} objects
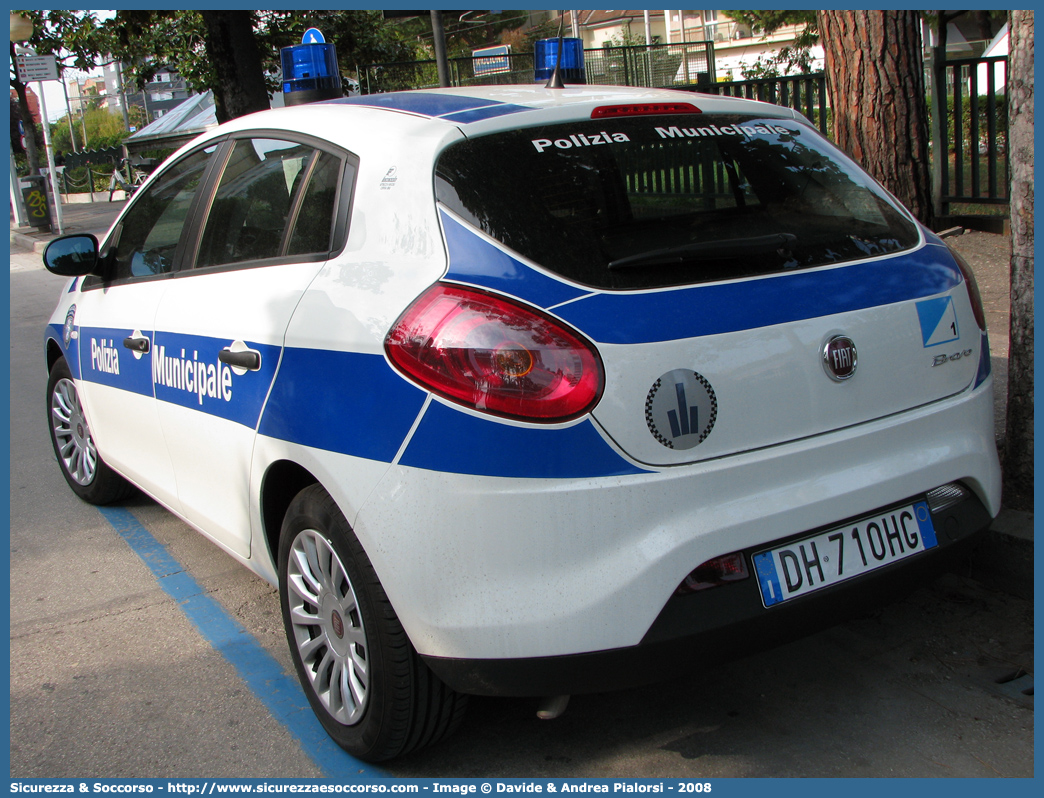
[{"x": 844, "y": 553}]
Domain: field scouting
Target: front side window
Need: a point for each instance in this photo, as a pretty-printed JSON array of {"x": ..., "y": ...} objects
[
  {"x": 152, "y": 228},
  {"x": 646, "y": 202}
]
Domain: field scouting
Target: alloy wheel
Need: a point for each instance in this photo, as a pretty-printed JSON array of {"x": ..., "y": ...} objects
[
  {"x": 71, "y": 434},
  {"x": 327, "y": 627}
]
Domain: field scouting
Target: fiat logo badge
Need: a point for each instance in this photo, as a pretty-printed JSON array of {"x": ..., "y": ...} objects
[
  {"x": 839, "y": 358},
  {"x": 337, "y": 623}
]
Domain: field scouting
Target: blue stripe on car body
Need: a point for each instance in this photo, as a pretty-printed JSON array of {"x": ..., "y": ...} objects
[
  {"x": 480, "y": 114},
  {"x": 473, "y": 259},
  {"x": 316, "y": 391},
  {"x": 104, "y": 360},
  {"x": 450, "y": 440},
  {"x": 637, "y": 317},
  {"x": 357, "y": 405},
  {"x": 454, "y": 107},
  {"x": 714, "y": 309},
  {"x": 343, "y": 402},
  {"x": 177, "y": 358}
]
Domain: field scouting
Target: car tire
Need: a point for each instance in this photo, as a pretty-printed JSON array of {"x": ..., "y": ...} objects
[
  {"x": 366, "y": 684},
  {"x": 83, "y": 468}
]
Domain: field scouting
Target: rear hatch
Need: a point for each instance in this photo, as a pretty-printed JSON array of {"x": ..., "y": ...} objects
[{"x": 745, "y": 283}]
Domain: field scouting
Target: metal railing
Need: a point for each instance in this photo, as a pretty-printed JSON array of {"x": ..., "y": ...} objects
[
  {"x": 689, "y": 65},
  {"x": 970, "y": 133},
  {"x": 656, "y": 66},
  {"x": 804, "y": 93},
  {"x": 678, "y": 66}
]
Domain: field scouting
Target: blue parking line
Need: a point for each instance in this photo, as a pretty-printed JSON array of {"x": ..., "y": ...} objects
[{"x": 281, "y": 694}]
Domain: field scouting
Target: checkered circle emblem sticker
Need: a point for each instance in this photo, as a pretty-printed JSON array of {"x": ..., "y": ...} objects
[{"x": 681, "y": 409}]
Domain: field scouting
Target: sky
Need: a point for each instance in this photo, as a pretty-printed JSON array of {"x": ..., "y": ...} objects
[{"x": 54, "y": 96}]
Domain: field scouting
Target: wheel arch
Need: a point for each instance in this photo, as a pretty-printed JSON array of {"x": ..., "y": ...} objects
[
  {"x": 53, "y": 353},
  {"x": 283, "y": 480}
]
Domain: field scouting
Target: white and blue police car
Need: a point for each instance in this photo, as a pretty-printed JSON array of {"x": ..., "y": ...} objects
[{"x": 522, "y": 391}]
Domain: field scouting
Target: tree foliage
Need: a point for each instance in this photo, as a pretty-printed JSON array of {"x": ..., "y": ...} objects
[
  {"x": 75, "y": 38},
  {"x": 474, "y": 29},
  {"x": 768, "y": 22},
  {"x": 178, "y": 39},
  {"x": 146, "y": 41},
  {"x": 104, "y": 129},
  {"x": 795, "y": 58},
  {"x": 465, "y": 31},
  {"x": 523, "y": 40}
]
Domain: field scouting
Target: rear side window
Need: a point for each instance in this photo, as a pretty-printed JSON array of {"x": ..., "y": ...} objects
[
  {"x": 313, "y": 226},
  {"x": 653, "y": 201},
  {"x": 273, "y": 197}
]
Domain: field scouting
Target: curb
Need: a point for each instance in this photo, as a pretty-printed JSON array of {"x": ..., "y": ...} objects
[{"x": 28, "y": 242}]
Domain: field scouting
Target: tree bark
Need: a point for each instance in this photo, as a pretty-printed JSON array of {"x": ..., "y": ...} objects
[
  {"x": 1018, "y": 449},
  {"x": 875, "y": 79},
  {"x": 233, "y": 51}
]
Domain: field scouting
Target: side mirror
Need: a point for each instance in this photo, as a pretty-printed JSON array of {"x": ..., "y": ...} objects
[{"x": 72, "y": 255}]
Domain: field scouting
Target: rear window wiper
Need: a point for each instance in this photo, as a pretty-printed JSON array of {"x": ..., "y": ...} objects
[{"x": 725, "y": 248}]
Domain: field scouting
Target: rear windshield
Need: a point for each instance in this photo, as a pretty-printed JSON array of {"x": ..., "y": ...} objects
[{"x": 657, "y": 201}]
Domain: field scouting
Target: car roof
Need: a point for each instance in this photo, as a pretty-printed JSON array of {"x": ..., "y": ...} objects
[
  {"x": 419, "y": 124},
  {"x": 481, "y": 109}
]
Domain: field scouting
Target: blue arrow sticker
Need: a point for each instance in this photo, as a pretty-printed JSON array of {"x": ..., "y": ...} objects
[{"x": 938, "y": 321}]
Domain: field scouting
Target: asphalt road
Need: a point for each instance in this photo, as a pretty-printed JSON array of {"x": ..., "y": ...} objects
[{"x": 110, "y": 678}]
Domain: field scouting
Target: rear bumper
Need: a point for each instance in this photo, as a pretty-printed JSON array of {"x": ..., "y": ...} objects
[
  {"x": 505, "y": 568},
  {"x": 699, "y": 630}
]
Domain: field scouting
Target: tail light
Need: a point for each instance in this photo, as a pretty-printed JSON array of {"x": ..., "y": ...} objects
[
  {"x": 713, "y": 573},
  {"x": 495, "y": 355},
  {"x": 973, "y": 289}
]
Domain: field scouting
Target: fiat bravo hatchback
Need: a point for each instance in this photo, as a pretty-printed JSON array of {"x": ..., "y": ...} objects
[{"x": 519, "y": 391}]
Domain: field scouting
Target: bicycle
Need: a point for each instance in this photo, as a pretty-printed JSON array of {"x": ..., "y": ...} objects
[{"x": 125, "y": 177}]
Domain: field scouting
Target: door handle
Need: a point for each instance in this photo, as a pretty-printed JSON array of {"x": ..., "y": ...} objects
[
  {"x": 137, "y": 344},
  {"x": 247, "y": 359}
]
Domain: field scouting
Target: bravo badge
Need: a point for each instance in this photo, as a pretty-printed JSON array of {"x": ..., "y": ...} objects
[{"x": 681, "y": 409}]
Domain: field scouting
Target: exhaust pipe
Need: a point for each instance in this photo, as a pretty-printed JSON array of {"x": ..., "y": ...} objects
[{"x": 552, "y": 706}]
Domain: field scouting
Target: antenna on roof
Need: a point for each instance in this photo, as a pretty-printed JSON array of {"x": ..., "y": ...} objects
[{"x": 555, "y": 81}]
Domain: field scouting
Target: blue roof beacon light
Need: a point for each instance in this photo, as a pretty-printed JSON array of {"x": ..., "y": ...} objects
[
  {"x": 546, "y": 54},
  {"x": 310, "y": 70}
]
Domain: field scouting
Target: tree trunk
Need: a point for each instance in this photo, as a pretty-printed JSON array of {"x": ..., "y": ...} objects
[
  {"x": 1018, "y": 454},
  {"x": 232, "y": 49},
  {"x": 875, "y": 79}
]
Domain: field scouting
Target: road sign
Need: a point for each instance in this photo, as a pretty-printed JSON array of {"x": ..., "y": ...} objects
[
  {"x": 491, "y": 60},
  {"x": 36, "y": 67}
]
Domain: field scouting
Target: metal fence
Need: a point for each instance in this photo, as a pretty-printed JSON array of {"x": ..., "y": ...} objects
[
  {"x": 804, "y": 93},
  {"x": 676, "y": 66},
  {"x": 970, "y": 133},
  {"x": 656, "y": 66},
  {"x": 107, "y": 156}
]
